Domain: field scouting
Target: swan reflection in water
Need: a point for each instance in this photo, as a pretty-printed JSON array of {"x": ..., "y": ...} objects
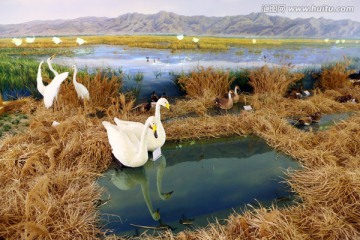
[{"x": 128, "y": 178}]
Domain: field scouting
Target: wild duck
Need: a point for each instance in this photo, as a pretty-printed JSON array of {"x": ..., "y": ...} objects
[{"x": 225, "y": 103}]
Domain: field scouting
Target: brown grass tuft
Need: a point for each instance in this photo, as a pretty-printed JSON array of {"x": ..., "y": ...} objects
[
  {"x": 206, "y": 83},
  {"x": 275, "y": 80},
  {"x": 335, "y": 77}
]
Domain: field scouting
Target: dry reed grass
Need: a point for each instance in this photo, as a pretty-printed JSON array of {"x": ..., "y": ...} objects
[
  {"x": 47, "y": 175},
  {"x": 206, "y": 83},
  {"x": 335, "y": 76},
  {"x": 275, "y": 80}
]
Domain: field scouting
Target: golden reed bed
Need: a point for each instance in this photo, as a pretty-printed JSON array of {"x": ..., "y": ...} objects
[{"x": 48, "y": 174}]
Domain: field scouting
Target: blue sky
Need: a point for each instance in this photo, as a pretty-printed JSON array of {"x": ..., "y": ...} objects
[{"x": 18, "y": 11}]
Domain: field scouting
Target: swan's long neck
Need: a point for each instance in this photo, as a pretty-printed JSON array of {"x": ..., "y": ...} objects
[
  {"x": 157, "y": 113},
  {"x": 74, "y": 77},
  {"x": 143, "y": 145}
]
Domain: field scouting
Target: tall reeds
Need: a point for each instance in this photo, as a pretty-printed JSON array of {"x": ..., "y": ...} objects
[
  {"x": 334, "y": 76},
  {"x": 275, "y": 80},
  {"x": 205, "y": 83}
]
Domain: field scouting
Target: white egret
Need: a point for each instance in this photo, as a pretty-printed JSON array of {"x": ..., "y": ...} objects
[
  {"x": 195, "y": 40},
  {"x": 127, "y": 151},
  {"x": 17, "y": 41},
  {"x": 80, "y": 41},
  {"x": 30, "y": 39},
  {"x": 136, "y": 127},
  {"x": 254, "y": 41},
  {"x": 80, "y": 89},
  {"x": 56, "y": 40},
  {"x": 326, "y": 40},
  {"x": 51, "y": 90},
  {"x": 180, "y": 37},
  {"x": 49, "y": 60}
]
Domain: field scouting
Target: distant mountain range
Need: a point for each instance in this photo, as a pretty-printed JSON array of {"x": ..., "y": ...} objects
[{"x": 254, "y": 24}]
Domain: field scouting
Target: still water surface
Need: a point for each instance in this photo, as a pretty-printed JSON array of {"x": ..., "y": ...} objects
[{"x": 204, "y": 180}]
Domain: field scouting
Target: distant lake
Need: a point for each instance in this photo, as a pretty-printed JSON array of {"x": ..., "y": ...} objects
[{"x": 152, "y": 62}]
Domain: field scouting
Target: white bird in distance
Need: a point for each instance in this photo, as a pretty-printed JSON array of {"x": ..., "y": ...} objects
[
  {"x": 80, "y": 41},
  {"x": 17, "y": 41},
  {"x": 180, "y": 37},
  {"x": 56, "y": 40},
  {"x": 195, "y": 39},
  {"x": 30, "y": 39}
]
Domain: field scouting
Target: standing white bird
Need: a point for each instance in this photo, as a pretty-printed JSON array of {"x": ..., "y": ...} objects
[
  {"x": 136, "y": 127},
  {"x": 56, "y": 40},
  {"x": 80, "y": 89},
  {"x": 125, "y": 150},
  {"x": 49, "y": 60},
  {"x": 30, "y": 39},
  {"x": 51, "y": 90},
  {"x": 16, "y": 41},
  {"x": 180, "y": 37},
  {"x": 80, "y": 41}
]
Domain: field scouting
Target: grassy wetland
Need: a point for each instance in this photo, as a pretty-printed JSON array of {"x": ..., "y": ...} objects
[{"x": 48, "y": 174}]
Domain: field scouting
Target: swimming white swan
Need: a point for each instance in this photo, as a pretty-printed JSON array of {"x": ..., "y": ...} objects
[
  {"x": 128, "y": 151},
  {"x": 51, "y": 90},
  {"x": 80, "y": 89},
  {"x": 136, "y": 127},
  {"x": 49, "y": 60}
]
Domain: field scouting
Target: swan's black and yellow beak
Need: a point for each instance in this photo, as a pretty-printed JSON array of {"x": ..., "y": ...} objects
[
  {"x": 52, "y": 57},
  {"x": 154, "y": 128},
  {"x": 167, "y": 105}
]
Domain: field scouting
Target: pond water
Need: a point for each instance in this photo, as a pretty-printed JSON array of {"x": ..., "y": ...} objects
[
  {"x": 157, "y": 70},
  {"x": 325, "y": 121},
  {"x": 201, "y": 181}
]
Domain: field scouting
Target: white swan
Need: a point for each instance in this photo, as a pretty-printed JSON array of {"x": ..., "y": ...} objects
[
  {"x": 80, "y": 41},
  {"x": 180, "y": 37},
  {"x": 195, "y": 40},
  {"x": 49, "y": 60},
  {"x": 80, "y": 89},
  {"x": 30, "y": 39},
  {"x": 56, "y": 40},
  {"x": 16, "y": 41},
  {"x": 125, "y": 150},
  {"x": 51, "y": 90},
  {"x": 136, "y": 127}
]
